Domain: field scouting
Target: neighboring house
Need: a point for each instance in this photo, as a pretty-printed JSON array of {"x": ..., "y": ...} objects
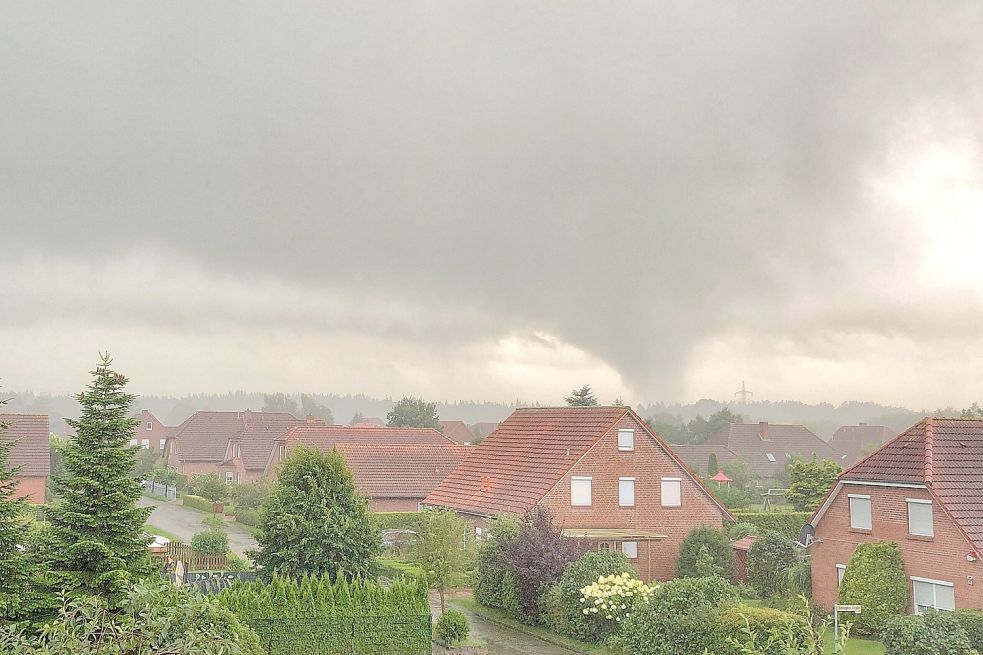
[
  {"x": 456, "y": 431},
  {"x": 327, "y": 437},
  {"x": 853, "y": 442},
  {"x": 233, "y": 445},
  {"x": 397, "y": 478},
  {"x": 923, "y": 490},
  {"x": 371, "y": 422},
  {"x": 766, "y": 448},
  {"x": 31, "y": 453},
  {"x": 606, "y": 478},
  {"x": 149, "y": 432}
]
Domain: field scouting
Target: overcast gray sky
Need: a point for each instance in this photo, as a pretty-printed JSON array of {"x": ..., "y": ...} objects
[{"x": 495, "y": 200}]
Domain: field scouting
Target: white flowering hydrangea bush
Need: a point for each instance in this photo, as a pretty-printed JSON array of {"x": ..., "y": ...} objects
[{"x": 612, "y": 598}]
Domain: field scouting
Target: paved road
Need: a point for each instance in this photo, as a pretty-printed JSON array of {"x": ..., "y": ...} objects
[
  {"x": 500, "y": 640},
  {"x": 185, "y": 522}
]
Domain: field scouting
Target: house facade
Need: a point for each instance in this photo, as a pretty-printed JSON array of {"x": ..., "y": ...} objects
[
  {"x": 853, "y": 442},
  {"x": 924, "y": 491},
  {"x": 605, "y": 477},
  {"x": 150, "y": 433},
  {"x": 31, "y": 453}
]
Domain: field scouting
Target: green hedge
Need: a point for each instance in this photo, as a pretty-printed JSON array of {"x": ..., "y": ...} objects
[
  {"x": 875, "y": 579},
  {"x": 197, "y": 502},
  {"x": 785, "y": 523},
  {"x": 247, "y": 516},
  {"x": 932, "y": 633},
  {"x": 397, "y": 520},
  {"x": 763, "y": 623},
  {"x": 394, "y": 568},
  {"x": 320, "y": 617},
  {"x": 972, "y": 622}
]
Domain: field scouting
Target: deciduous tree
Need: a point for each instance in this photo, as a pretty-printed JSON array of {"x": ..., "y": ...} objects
[
  {"x": 537, "y": 557},
  {"x": 413, "y": 413},
  {"x": 811, "y": 480},
  {"x": 315, "y": 521},
  {"x": 310, "y": 407},
  {"x": 279, "y": 402},
  {"x": 440, "y": 550}
]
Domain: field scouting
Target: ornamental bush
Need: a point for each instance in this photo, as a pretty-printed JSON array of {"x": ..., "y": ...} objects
[
  {"x": 875, "y": 579},
  {"x": 932, "y": 633},
  {"x": 679, "y": 619},
  {"x": 563, "y": 612},
  {"x": 209, "y": 486},
  {"x": 718, "y": 546},
  {"x": 197, "y": 502},
  {"x": 210, "y": 542},
  {"x": 972, "y": 622},
  {"x": 612, "y": 599},
  {"x": 741, "y": 622},
  {"x": 491, "y": 568},
  {"x": 741, "y": 530},
  {"x": 786, "y": 523},
  {"x": 768, "y": 562},
  {"x": 451, "y": 628}
]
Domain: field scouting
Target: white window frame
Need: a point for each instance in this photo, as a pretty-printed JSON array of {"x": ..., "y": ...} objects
[
  {"x": 679, "y": 489},
  {"x": 621, "y": 493},
  {"x": 150, "y": 425},
  {"x": 914, "y": 502},
  {"x": 238, "y": 477},
  {"x": 134, "y": 442},
  {"x": 771, "y": 457},
  {"x": 626, "y": 444},
  {"x": 228, "y": 477},
  {"x": 935, "y": 594},
  {"x": 630, "y": 549},
  {"x": 590, "y": 490},
  {"x": 163, "y": 442},
  {"x": 840, "y": 572},
  {"x": 145, "y": 443},
  {"x": 477, "y": 533},
  {"x": 870, "y": 512},
  {"x": 604, "y": 547},
  {"x": 282, "y": 451}
]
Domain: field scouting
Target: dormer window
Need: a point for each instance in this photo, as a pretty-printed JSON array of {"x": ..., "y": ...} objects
[
  {"x": 283, "y": 452},
  {"x": 626, "y": 439},
  {"x": 235, "y": 450}
]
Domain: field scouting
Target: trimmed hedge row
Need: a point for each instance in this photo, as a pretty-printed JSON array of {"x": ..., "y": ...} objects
[
  {"x": 247, "y": 516},
  {"x": 398, "y": 520},
  {"x": 785, "y": 523},
  {"x": 197, "y": 502}
]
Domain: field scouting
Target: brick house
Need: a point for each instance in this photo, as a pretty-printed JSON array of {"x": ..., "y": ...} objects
[
  {"x": 767, "y": 448},
  {"x": 31, "y": 453},
  {"x": 233, "y": 445},
  {"x": 150, "y": 432},
  {"x": 855, "y": 441},
  {"x": 606, "y": 478},
  {"x": 397, "y": 477},
  {"x": 923, "y": 490},
  {"x": 456, "y": 431},
  {"x": 328, "y": 437}
]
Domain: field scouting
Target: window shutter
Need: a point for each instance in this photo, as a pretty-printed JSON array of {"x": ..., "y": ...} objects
[
  {"x": 626, "y": 439},
  {"x": 672, "y": 492},
  {"x": 860, "y": 512},
  {"x": 626, "y": 492},
  {"x": 580, "y": 492},
  {"x": 920, "y": 518}
]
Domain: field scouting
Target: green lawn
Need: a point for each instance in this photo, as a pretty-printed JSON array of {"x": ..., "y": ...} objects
[
  {"x": 496, "y": 616},
  {"x": 153, "y": 529},
  {"x": 855, "y": 646}
]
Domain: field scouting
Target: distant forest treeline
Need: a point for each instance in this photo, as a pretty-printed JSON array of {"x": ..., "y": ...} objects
[{"x": 823, "y": 418}]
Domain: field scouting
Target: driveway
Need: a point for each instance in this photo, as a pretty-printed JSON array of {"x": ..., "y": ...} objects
[{"x": 186, "y": 522}]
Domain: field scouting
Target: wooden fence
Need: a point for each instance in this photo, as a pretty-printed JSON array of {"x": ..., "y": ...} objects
[{"x": 194, "y": 561}]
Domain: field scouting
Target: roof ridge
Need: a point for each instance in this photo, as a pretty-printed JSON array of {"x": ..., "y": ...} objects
[
  {"x": 883, "y": 446},
  {"x": 929, "y": 437}
]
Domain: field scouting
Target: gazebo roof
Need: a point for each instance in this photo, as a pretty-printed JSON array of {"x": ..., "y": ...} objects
[{"x": 721, "y": 477}]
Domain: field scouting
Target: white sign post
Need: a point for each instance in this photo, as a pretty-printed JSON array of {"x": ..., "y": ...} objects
[{"x": 851, "y": 609}]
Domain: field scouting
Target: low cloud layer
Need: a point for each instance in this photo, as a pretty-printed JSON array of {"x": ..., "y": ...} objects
[{"x": 495, "y": 200}]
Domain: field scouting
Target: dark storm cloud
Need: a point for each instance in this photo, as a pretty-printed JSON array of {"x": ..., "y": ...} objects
[{"x": 631, "y": 177}]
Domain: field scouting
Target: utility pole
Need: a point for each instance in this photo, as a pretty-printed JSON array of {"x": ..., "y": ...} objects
[{"x": 743, "y": 393}]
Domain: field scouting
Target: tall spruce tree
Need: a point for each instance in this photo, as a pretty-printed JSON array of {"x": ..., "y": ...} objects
[
  {"x": 96, "y": 543},
  {"x": 14, "y": 574},
  {"x": 582, "y": 397}
]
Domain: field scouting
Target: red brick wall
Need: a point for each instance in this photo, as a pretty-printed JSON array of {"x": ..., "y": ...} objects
[
  {"x": 394, "y": 504},
  {"x": 648, "y": 464},
  {"x": 31, "y": 487},
  {"x": 942, "y": 557}
]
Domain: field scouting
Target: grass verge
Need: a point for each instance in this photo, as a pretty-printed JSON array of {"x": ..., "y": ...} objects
[
  {"x": 153, "y": 529},
  {"x": 496, "y": 616},
  {"x": 855, "y": 646}
]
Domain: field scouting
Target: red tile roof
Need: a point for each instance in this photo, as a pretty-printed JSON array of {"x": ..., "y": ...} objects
[
  {"x": 512, "y": 469},
  {"x": 851, "y": 441},
  {"x": 743, "y": 543},
  {"x": 697, "y": 457},
  {"x": 943, "y": 454},
  {"x": 204, "y": 436},
  {"x": 401, "y": 471},
  {"x": 31, "y": 451},
  {"x": 456, "y": 431},
  {"x": 326, "y": 437},
  {"x": 753, "y": 442}
]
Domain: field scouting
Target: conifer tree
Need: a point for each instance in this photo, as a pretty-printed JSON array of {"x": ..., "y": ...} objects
[
  {"x": 13, "y": 565},
  {"x": 96, "y": 542},
  {"x": 582, "y": 397}
]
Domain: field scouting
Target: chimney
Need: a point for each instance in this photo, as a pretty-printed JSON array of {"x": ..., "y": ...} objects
[
  {"x": 311, "y": 420},
  {"x": 763, "y": 430}
]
